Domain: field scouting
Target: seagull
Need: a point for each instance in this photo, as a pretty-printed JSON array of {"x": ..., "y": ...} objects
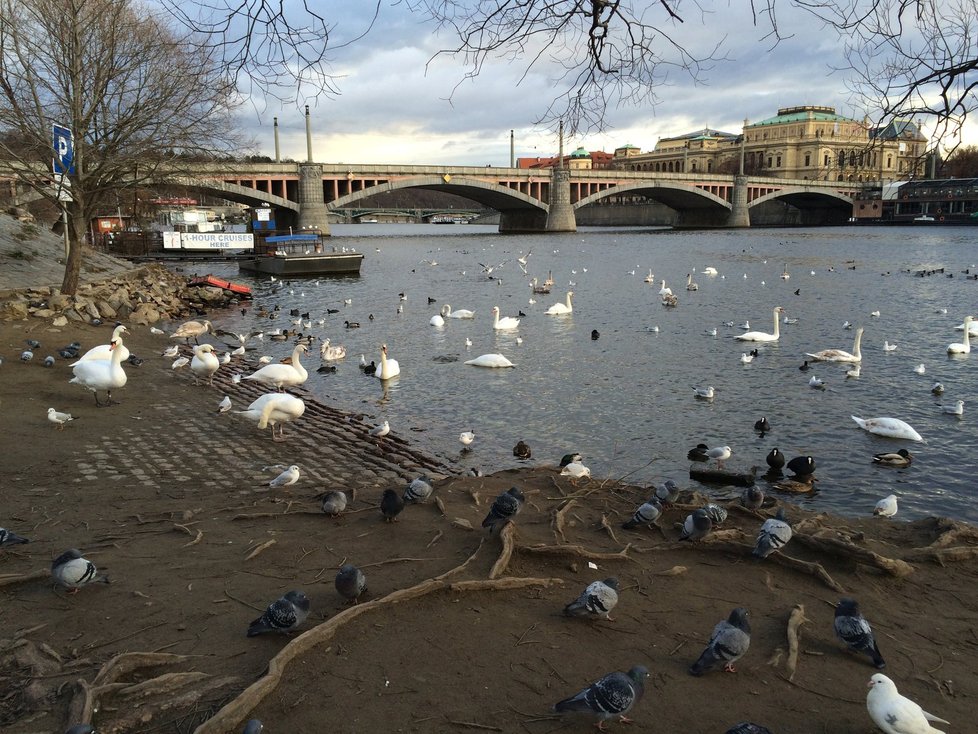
[
  {"x": 920, "y": 369},
  {"x": 937, "y": 388},
  {"x": 381, "y": 430},
  {"x": 896, "y": 714},
  {"x": 282, "y": 615},
  {"x": 887, "y": 347},
  {"x": 171, "y": 351},
  {"x": 288, "y": 477},
  {"x": 954, "y": 408},
  {"x": 180, "y": 362},
  {"x": 59, "y": 419},
  {"x": 746, "y": 358},
  {"x": 720, "y": 454},
  {"x": 225, "y": 405},
  {"x": 156, "y": 332},
  {"x": 875, "y": 314},
  {"x": 575, "y": 470},
  {"x": 816, "y": 383},
  {"x": 705, "y": 393},
  {"x": 466, "y": 437},
  {"x": 886, "y": 507}
]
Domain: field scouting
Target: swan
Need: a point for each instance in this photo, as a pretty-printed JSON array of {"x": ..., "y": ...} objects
[
  {"x": 709, "y": 270},
  {"x": 784, "y": 274},
  {"x": 839, "y": 355},
  {"x": 329, "y": 354},
  {"x": 761, "y": 336},
  {"x": 104, "y": 351},
  {"x": 559, "y": 309},
  {"x": 205, "y": 363},
  {"x": 462, "y": 313},
  {"x": 388, "y": 368},
  {"x": 504, "y": 323},
  {"x": 280, "y": 375},
  {"x": 274, "y": 409},
  {"x": 664, "y": 290},
  {"x": 192, "y": 330},
  {"x": 539, "y": 288},
  {"x": 962, "y": 347},
  {"x": 889, "y": 427},
  {"x": 650, "y": 278},
  {"x": 972, "y": 327},
  {"x": 436, "y": 320},
  {"x": 490, "y": 360},
  {"x": 100, "y": 374},
  {"x": 690, "y": 285}
]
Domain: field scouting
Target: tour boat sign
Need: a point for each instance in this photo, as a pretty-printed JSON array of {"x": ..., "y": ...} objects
[{"x": 208, "y": 241}]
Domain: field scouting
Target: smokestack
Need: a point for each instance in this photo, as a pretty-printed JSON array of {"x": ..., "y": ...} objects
[
  {"x": 560, "y": 155},
  {"x": 277, "y": 158},
  {"x": 308, "y": 137},
  {"x": 512, "y": 150}
]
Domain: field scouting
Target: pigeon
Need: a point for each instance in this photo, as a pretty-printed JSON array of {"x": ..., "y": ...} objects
[
  {"x": 254, "y": 726},
  {"x": 381, "y": 430},
  {"x": 134, "y": 360},
  {"x": 728, "y": 643},
  {"x": 33, "y": 343},
  {"x": 775, "y": 534},
  {"x": 419, "y": 490},
  {"x": 466, "y": 437},
  {"x": 73, "y": 571},
  {"x": 775, "y": 459},
  {"x": 647, "y": 513},
  {"x": 350, "y": 582},
  {"x": 504, "y": 508},
  {"x": 802, "y": 466},
  {"x": 521, "y": 450},
  {"x": 570, "y": 458},
  {"x": 613, "y": 695},
  {"x": 26, "y": 356},
  {"x": 852, "y": 628},
  {"x": 334, "y": 502},
  {"x": 717, "y": 513},
  {"x": 597, "y": 600},
  {"x": 748, "y": 727},
  {"x": 886, "y": 507},
  {"x": 896, "y": 714},
  {"x": 289, "y": 477},
  {"x": 391, "y": 505},
  {"x": 8, "y": 537},
  {"x": 696, "y": 526},
  {"x": 282, "y": 615},
  {"x": 752, "y": 497},
  {"x": 575, "y": 470},
  {"x": 667, "y": 493},
  {"x": 225, "y": 405},
  {"x": 48, "y": 361},
  {"x": 58, "y": 418}
]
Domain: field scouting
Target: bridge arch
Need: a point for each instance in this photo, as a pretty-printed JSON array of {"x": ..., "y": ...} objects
[
  {"x": 815, "y": 206},
  {"x": 231, "y": 192},
  {"x": 694, "y": 206},
  {"x": 494, "y": 196}
]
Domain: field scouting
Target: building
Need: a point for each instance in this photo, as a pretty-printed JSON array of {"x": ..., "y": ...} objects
[
  {"x": 806, "y": 142},
  {"x": 580, "y": 159}
]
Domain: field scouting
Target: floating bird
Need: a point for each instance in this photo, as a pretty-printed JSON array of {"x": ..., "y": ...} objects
[
  {"x": 886, "y": 507},
  {"x": 875, "y": 314},
  {"x": 281, "y": 375},
  {"x": 282, "y": 615},
  {"x": 762, "y": 425},
  {"x": 418, "y": 490},
  {"x": 461, "y": 313},
  {"x": 58, "y": 418},
  {"x": 704, "y": 393},
  {"x": 937, "y": 388},
  {"x": 73, "y": 571},
  {"x": 595, "y": 335},
  {"x": 728, "y": 643},
  {"x": 664, "y": 290},
  {"x": 852, "y": 628},
  {"x": 690, "y": 285},
  {"x": 956, "y": 408},
  {"x": 774, "y": 535},
  {"x": 503, "y": 324},
  {"x": 504, "y": 509},
  {"x": 490, "y": 360},
  {"x": 696, "y": 526},
  {"x": 710, "y": 270},
  {"x": 840, "y": 355},
  {"x": 775, "y": 459},
  {"x": 8, "y": 537},
  {"x": 329, "y": 353},
  {"x": 192, "y": 330},
  {"x": 802, "y": 466},
  {"x": 100, "y": 374},
  {"x": 275, "y": 410},
  {"x": 887, "y": 347},
  {"x": 889, "y": 427},
  {"x": 437, "y": 320},
  {"x": 853, "y": 371},
  {"x": 560, "y": 309},
  {"x": 613, "y": 695},
  {"x": 521, "y": 450},
  {"x": 646, "y": 514},
  {"x": 761, "y": 336},
  {"x": 350, "y": 582},
  {"x": 389, "y": 368},
  {"x": 920, "y": 369},
  {"x": 746, "y": 358},
  {"x": 896, "y": 714},
  {"x": 597, "y": 600},
  {"x": 698, "y": 453},
  {"x": 287, "y": 478},
  {"x": 752, "y": 497},
  {"x": 899, "y": 458},
  {"x": 816, "y": 383},
  {"x": 334, "y": 502},
  {"x": 964, "y": 346}
]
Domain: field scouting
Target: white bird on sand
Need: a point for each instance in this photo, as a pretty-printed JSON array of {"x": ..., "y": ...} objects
[
  {"x": 388, "y": 368},
  {"x": 956, "y": 408},
  {"x": 236, "y": 378},
  {"x": 762, "y": 336},
  {"x": 504, "y": 323},
  {"x": 192, "y": 330},
  {"x": 238, "y": 351},
  {"x": 896, "y": 714},
  {"x": 155, "y": 331},
  {"x": 490, "y": 360},
  {"x": 887, "y": 347},
  {"x": 720, "y": 454},
  {"x": 58, "y": 418},
  {"x": 225, "y": 405},
  {"x": 99, "y": 374},
  {"x": 461, "y": 313},
  {"x": 888, "y": 427},
  {"x": 840, "y": 355},
  {"x": 281, "y": 375},
  {"x": 226, "y": 357},
  {"x": 205, "y": 363},
  {"x": 379, "y": 431},
  {"x": 179, "y": 362},
  {"x": 964, "y": 346},
  {"x": 103, "y": 351},
  {"x": 887, "y": 507},
  {"x": 170, "y": 352},
  {"x": 559, "y": 309},
  {"x": 274, "y": 409},
  {"x": 466, "y": 437},
  {"x": 286, "y": 478},
  {"x": 575, "y": 470}
]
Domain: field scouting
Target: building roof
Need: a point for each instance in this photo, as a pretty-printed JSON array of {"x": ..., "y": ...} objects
[
  {"x": 704, "y": 134},
  {"x": 803, "y": 114},
  {"x": 897, "y": 129}
]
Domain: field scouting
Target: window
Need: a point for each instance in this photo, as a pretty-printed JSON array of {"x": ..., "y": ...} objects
[
  {"x": 779, "y": 161},
  {"x": 808, "y": 160},
  {"x": 889, "y": 161},
  {"x": 769, "y": 161}
]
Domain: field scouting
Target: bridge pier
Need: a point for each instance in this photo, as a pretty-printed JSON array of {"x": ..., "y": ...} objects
[
  {"x": 312, "y": 204},
  {"x": 739, "y": 211},
  {"x": 561, "y": 216}
]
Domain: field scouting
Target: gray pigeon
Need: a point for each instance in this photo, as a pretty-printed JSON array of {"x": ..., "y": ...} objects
[
  {"x": 613, "y": 695},
  {"x": 717, "y": 513},
  {"x": 334, "y": 502},
  {"x": 504, "y": 508},
  {"x": 72, "y": 571},
  {"x": 646, "y": 514},
  {"x": 350, "y": 582},
  {"x": 254, "y": 726},
  {"x": 282, "y": 615},
  {"x": 727, "y": 645},
  {"x": 48, "y": 361},
  {"x": 391, "y": 505},
  {"x": 752, "y": 497},
  {"x": 775, "y": 534},
  {"x": 697, "y": 525},
  {"x": 748, "y": 727},
  {"x": 10, "y": 538},
  {"x": 597, "y": 600},
  {"x": 419, "y": 490},
  {"x": 26, "y": 356},
  {"x": 852, "y": 628},
  {"x": 667, "y": 493}
]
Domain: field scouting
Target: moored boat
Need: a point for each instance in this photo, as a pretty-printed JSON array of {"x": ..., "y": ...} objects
[{"x": 300, "y": 254}]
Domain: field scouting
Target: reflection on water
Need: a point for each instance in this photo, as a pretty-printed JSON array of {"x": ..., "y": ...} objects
[{"x": 626, "y": 399}]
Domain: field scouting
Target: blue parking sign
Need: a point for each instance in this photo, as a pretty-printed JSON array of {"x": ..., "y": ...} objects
[{"x": 64, "y": 150}]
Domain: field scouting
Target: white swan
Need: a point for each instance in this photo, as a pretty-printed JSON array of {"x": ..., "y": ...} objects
[
  {"x": 709, "y": 270},
  {"x": 762, "y": 336},
  {"x": 650, "y": 278},
  {"x": 436, "y": 320},
  {"x": 205, "y": 363},
  {"x": 328, "y": 353},
  {"x": 192, "y": 330},
  {"x": 839, "y": 355},
  {"x": 889, "y": 427},
  {"x": 559, "y": 309},
  {"x": 490, "y": 360},
  {"x": 972, "y": 327},
  {"x": 665, "y": 290},
  {"x": 462, "y": 313},
  {"x": 690, "y": 285},
  {"x": 962, "y": 347},
  {"x": 387, "y": 368},
  {"x": 105, "y": 351},
  {"x": 784, "y": 274},
  {"x": 504, "y": 323},
  {"x": 274, "y": 409},
  {"x": 281, "y": 375},
  {"x": 100, "y": 374}
]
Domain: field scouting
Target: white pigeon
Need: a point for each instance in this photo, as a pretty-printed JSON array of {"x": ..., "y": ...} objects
[
  {"x": 896, "y": 714},
  {"x": 288, "y": 477},
  {"x": 59, "y": 419},
  {"x": 887, "y": 507},
  {"x": 225, "y": 405}
]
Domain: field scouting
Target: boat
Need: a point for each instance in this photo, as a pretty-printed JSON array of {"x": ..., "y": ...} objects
[
  {"x": 209, "y": 280},
  {"x": 300, "y": 254}
]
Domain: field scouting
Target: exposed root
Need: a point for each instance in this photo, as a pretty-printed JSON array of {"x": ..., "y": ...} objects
[
  {"x": 560, "y": 515},
  {"x": 264, "y": 546},
  {"x": 796, "y": 619},
  {"x": 674, "y": 571},
  {"x": 10, "y": 579},
  {"x": 608, "y": 529},
  {"x": 578, "y": 551},
  {"x": 127, "y": 662},
  {"x": 166, "y": 683},
  {"x": 196, "y": 540},
  {"x": 504, "y": 583},
  {"x": 812, "y": 569},
  {"x": 506, "y": 553},
  {"x": 844, "y": 549},
  {"x": 944, "y": 555},
  {"x": 953, "y": 532}
]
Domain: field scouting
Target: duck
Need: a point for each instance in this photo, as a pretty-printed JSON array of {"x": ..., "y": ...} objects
[
  {"x": 192, "y": 330},
  {"x": 964, "y": 346},
  {"x": 690, "y": 285},
  {"x": 490, "y": 360},
  {"x": 205, "y": 363},
  {"x": 100, "y": 374},
  {"x": 521, "y": 450},
  {"x": 801, "y": 484},
  {"x": 899, "y": 458},
  {"x": 559, "y": 309},
  {"x": 888, "y": 427},
  {"x": 504, "y": 323},
  {"x": 104, "y": 351},
  {"x": 761, "y": 336},
  {"x": 775, "y": 459},
  {"x": 281, "y": 375},
  {"x": 388, "y": 367},
  {"x": 801, "y": 466},
  {"x": 351, "y": 324},
  {"x": 330, "y": 353},
  {"x": 840, "y": 355},
  {"x": 274, "y": 409},
  {"x": 461, "y": 313},
  {"x": 698, "y": 452}
]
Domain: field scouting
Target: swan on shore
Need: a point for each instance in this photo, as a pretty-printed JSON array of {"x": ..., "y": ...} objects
[
  {"x": 205, "y": 363},
  {"x": 281, "y": 375},
  {"x": 762, "y": 336},
  {"x": 840, "y": 355},
  {"x": 192, "y": 330},
  {"x": 504, "y": 323},
  {"x": 888, "y": 427},
  {"x": 104, "y": 351},
  {"x": 559, "y": 309},
  {"x": 490, "y": 360},
  {"x": 388, "y": 368},
  {"x": 100, "y": 374},
  {"x": 274, "y": 409},
  {"x": 964, "y": 346}
]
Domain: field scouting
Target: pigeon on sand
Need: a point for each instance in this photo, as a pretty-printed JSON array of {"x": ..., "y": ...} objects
[
  {"x": 334, "y": 502},
  {"x": 896, "y": 714},
  {"x": 613, "y": 695},
  {"x": 597, "y": 600},
  {"x": 852, "y": 628},
  {"x": 729, "y": 642},
  {"x": 73, "y": 571},
  {"x": 8, "y": 537},
  {"x": 775, "y": 534},
  {"x": 282, "y": 615},
  {"x": 350, "y": 582},
  {"x": 504, "y": 508}
]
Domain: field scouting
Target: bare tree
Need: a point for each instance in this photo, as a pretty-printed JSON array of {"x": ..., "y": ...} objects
[{"x": 133, "y": 93}]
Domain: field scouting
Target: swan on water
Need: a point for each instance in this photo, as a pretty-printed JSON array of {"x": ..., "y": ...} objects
[
  {"x": 558, "y": 309},
  {"x": 461, "y": 313},
  {"x": 205, "y": 363},
  {"x": 281, "y": 375},
  {"x": 105, "y": 351},
  {"x": 888, "y": 427},
  {"x": 972, "y": 327},
  {"x": 761, "y": 336},
  {"x": 506, "y": 322},
  {"x": 665, "y": 290},
  {"x": 650, "y": 278},
  {"x": 490, "y": 360},
  {"x": 274, "y": 409},
  {"x": 101, "y": 374},
  {"x": 839, "y": 355},
  {"x": 690, "y": 285},
  {"x": 329, "y": 353},
  {"x": 962, "y": 347},
  {"x": 437, "y": 320},
  {"x": 388, "y": 367},
  {"x": 709, "y": 270}
]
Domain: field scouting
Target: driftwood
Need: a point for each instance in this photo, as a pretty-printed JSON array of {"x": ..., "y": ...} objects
[
  {"x": 715, "y": 475},
  {"x": 836, "y": 547},
  {"x": 576, "y": 550},
  {"x": 509, "y": 543},
  {"x": 559, "y": 516},
  {"x": 944, "y": 555},
  {"x": 795, "y": 621}
]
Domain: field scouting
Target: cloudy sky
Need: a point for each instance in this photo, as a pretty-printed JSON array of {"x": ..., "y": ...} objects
[{"x": 394, "y": 105}]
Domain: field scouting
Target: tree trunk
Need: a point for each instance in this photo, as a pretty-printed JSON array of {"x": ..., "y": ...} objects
[{"x": 69, "y": 285}]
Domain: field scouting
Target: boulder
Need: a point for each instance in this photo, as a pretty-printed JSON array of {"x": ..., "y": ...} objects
[
  {"x": 144, "y": 315},
  {"x": 13, "y": 310}
]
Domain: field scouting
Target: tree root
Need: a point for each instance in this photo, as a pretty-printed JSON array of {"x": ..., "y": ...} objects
[
  {"x": 836, "y": 547},
  {"x": 559, "y": 518},
  {"x": 944, "y": 555},
  {"x": 504, "y": 583},
  {"x": 796, "y": 619},
  {"x": 812, "y": 569},
  {"x": 506, "y": 553},
  {"x": 22, "y": 578},
  {"x": 258, "y": 549},
  {"x": 578, "y": 551}
]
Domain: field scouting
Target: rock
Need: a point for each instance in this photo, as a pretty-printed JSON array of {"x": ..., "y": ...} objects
[
  {"x": 144, "y": 315},
  {"x": 13, "y": 310},
  {"x": 105, "y": 309},
  {"x": 60, "y": 302},
  {"x": 59, "y": 321},
  {"x": 43, "y": 313}
]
